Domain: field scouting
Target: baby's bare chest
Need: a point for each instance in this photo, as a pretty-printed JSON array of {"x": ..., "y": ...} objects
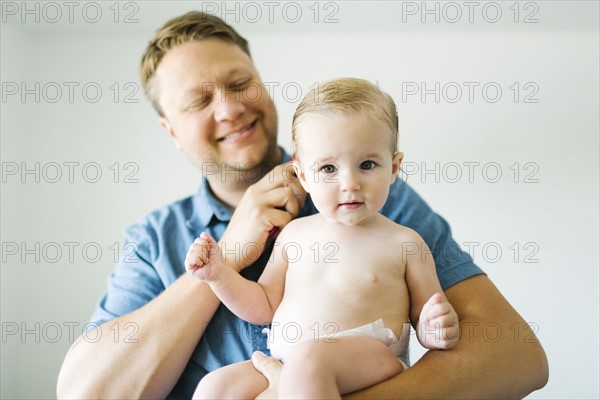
[{"x": 356, "y": 260}]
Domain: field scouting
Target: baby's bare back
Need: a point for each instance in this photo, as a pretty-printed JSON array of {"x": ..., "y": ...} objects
[{"x": 341, "y": 277}]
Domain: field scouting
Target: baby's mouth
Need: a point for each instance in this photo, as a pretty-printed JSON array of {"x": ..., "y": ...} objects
[{"x": 351, "y": 205}]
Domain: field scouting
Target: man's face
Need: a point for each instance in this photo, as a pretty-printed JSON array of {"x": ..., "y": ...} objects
[{"x": 216, "y": 109}]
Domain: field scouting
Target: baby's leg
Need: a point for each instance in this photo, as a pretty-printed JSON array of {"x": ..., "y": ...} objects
[
  {"x": 326, "y": 370},
  {"x": 236, "y": 381}
]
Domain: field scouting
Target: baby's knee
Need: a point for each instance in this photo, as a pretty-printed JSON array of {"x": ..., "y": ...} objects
[
  {"x": 309, "y": 357},
  {"x": 235, "y": 381}
]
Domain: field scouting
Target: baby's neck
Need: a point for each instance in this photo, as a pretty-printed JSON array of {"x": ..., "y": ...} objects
[{"x": 371, "y": 222}]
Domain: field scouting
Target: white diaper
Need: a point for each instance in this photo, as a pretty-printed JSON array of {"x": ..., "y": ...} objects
[{"x": 375, "y": 330}]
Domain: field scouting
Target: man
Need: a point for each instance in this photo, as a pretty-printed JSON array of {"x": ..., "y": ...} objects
[{"x": 198, "y": 73}]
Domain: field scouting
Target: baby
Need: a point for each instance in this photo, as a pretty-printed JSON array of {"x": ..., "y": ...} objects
[{"x": 341, "y": 285}]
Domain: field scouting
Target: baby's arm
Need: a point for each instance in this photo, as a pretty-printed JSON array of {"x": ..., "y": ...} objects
[
  {"x": 434, "y": 318},
  {"x": 251, "y": 301}
]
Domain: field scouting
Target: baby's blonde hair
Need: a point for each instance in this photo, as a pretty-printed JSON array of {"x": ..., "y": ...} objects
[{"x": 349, "y": 96}]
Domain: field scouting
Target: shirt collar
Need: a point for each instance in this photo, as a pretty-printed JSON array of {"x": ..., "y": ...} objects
[{"x": 206, "y": 205}]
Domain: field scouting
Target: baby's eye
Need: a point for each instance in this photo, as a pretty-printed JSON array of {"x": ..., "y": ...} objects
[
  {"x": 328, "y": 169},
  {"x": 367, "y": 164}
]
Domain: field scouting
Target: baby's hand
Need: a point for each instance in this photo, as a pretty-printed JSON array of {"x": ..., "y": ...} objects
[
  {"x": 438, "y": 324},
  {"x": 198, "y": 259}
]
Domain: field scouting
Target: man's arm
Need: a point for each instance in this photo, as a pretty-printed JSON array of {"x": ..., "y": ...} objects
[
  {"x": 152, "y": 360},
  {"x": 480, "y": 365},
  {"x": 169, "y": 327}
]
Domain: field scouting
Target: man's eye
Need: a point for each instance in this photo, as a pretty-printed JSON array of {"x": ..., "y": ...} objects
[
  {"x": 328, "y": 169},
  {"x": 201, "y": 103},
  {"x": 367, "y": 165},
  {"x": 236, "y": 87}
]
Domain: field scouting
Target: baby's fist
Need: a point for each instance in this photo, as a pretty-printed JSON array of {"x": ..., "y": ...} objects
[
  {"x": 438, "y": 324},
  {"x": 197, "y": 260}
]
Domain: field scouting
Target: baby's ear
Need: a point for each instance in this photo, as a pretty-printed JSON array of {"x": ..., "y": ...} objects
[
  {"x": 396, "y": 161},
  {"x": 300, "y": 174}
]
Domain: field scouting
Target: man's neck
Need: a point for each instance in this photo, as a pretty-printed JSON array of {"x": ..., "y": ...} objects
[{"x": 227, "y": 190}]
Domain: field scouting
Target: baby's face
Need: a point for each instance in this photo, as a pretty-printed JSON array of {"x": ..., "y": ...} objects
[{"x": 346, "y": 165}]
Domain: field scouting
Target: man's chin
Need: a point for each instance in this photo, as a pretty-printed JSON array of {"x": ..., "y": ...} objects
[
  {"x": 254, "y": 164},
  {"x": 252, "y": 159},
  {"x": 249, "y": 169}
]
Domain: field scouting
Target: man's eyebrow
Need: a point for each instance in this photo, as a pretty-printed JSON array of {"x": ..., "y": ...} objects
[
  {"x": 191, "y": 95},
  {"x": 205, "y": 87},
  {"x": 213, "y": 86},
  {"x": 234, "y": 72}
]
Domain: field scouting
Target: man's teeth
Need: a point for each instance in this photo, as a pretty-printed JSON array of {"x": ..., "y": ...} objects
[
  {"x": 236, "y": 134},
  {"x": 232, "y": 135}
]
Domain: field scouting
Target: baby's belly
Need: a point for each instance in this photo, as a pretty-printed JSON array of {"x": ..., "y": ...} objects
[{"x": 325, "y": 316}]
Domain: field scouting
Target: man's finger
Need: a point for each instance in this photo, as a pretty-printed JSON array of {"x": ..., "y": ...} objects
[
  {"x": 277, "y": 177},
  {"x": 282, "y": 197},
  {"x": 299, "y": 192},
  {"x": 271, "y": 369},
  {"x": 278, "y": 218},
  {"x": 291, "y": 180},
  {"x": 268, "y": 366}
]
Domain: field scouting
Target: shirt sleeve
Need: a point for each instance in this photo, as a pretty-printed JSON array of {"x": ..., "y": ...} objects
[
  {"x": 134, "y": 281},
  {"x": 407, "y": 208}
]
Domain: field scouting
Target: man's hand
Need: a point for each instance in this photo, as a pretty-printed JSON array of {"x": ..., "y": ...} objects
[
  {"x": 271, "y": 369},
  {"x": 438, "y": 324},
  {"x": 266, "y": 207},
  {"x": 476, "y": 368}
]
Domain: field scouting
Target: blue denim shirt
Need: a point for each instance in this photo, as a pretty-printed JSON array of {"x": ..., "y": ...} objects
[{"x": 155, "y": 250}]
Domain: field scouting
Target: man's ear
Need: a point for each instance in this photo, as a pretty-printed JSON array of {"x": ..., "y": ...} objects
[
  {"x": 396, "y": 161},
  {"x": 300, "y": 174},
  {"x": 164, "y": 122}
]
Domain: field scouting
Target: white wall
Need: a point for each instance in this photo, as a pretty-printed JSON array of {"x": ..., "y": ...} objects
[{"x": 549, "y": 209}]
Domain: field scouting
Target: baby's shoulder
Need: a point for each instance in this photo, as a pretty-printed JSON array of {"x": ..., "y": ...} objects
[
  {"x": 297, "y": 227},
  {"x": 398, "y": 232},
  {"x": 303, "y": 222}
]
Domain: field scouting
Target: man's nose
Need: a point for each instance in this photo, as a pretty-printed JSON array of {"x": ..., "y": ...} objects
[{"x": 227, "y": 106}]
